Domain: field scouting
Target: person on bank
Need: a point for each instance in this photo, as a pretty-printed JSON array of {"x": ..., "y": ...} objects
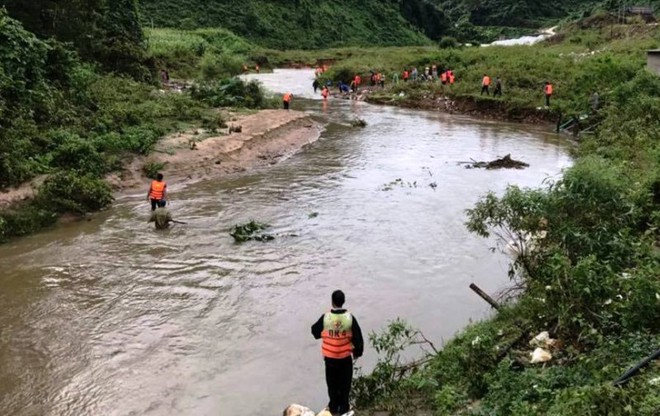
[
  {"x": 485, "y": 85},
  {"x": 286, "y": 100},
  {"x": 547, "y": 90},
  {"x": 157, "y": 192},
  {"x": 498, "y": 87},
  {"x": 161, "y": 216},
  {"x": 342, "y": 342}
]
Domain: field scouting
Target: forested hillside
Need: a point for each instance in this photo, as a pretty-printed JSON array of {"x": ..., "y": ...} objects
[
  {"x": 304, "y": 23},
  {"x": 104, "y": 31}
]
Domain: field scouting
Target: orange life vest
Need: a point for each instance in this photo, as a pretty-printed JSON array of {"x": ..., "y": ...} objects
[
  {"x": 486, "y": 81},
  {"x": 443, "y": 77},
  {"x": 548, "y": 89},
  {"x": 405, "y": 74},
  {"x": 451, "y": 77},
  {"x": 325, "y": 93},
  {"x": 337, "y": 335},
  {"x": 287, "y": 97},
  {"x": 157, "y": 190}
]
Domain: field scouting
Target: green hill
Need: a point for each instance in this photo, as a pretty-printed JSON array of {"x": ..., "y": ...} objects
[
  {"x": 304, "y": 24},
  {"x": 307, "y": 24}
]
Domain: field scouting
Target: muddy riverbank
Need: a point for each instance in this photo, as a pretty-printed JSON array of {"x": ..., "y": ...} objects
[
  {"x": 266, "y": 137},
  {"x": 468, "y": 105}
]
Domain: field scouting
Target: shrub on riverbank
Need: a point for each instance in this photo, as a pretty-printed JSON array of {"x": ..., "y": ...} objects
[
  {"x": 232, "y": 92},
  {"x": 201, "y": 53}
]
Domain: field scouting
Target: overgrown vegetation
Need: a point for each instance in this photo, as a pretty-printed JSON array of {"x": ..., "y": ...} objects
[
  {"x": 577, "y": 62},
  {"x": 251, "y": 230},
  {"x": 302, "y": 24},
  {"x": 587, "y": 269},
  {"x": 306, "y": 24},
  {"x": 201, "y": 53},
  {"x": 75, "y": 122}
]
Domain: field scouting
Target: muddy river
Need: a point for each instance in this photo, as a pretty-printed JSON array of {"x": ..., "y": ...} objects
[{"x": 110, "y": 317}]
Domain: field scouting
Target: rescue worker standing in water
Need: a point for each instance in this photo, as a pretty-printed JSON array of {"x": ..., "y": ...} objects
[
  {"x": 157, "y": 191},
  {"x": 342, "y": 342}
]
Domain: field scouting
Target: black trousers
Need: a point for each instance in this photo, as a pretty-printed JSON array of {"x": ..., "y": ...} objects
[
  {"x": 547, "y": 100},
  {"x": 285, "y": 105},
  {"x": 484, "y": 88},
  {"x": 154, "y": 204},
  {"x": 338, "y": 376}
]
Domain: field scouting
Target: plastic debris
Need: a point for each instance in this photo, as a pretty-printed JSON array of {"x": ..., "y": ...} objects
[
  {"x": 298, "y": 410},
  {"x": 540, "y": 356},
  {"x": 543, "y": 340}
]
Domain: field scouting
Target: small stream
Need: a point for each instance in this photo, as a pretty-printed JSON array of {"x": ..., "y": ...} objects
[{"x": 110, "y": 317}]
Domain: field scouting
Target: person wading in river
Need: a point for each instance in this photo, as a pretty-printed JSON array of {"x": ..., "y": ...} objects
[
  {"x": 286, "y": 100},
  {"x": 161, "y": 217},
  {"x": 342, "y": 342},
  {"x": 157, "y": 191}
]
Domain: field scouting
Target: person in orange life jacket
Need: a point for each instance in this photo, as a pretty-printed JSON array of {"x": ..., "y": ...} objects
[
  {"x": 157, "y": 191},
  {"x": 547, "y": 89},
  {"x": 485, "y": 85},
  {"x": 325, "y": 92},
  {"x": 342, "y": 342},
  {"x": 286, "y": 100},
  {"x": 452, "y": 78},
  {"x": 406, "y": 74}
]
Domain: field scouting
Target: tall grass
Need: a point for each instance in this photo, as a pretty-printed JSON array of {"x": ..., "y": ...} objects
[{"x": 207, "y": 53}]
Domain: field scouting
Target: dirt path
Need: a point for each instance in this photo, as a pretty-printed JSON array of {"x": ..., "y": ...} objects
[{"x": 266, "y": 137}]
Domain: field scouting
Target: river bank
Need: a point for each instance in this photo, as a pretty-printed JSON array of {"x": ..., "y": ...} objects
[
  {"x": 591, "y": 284},
  {"x": 265, "y": 138},
  {"x": 470, "y": 105}
]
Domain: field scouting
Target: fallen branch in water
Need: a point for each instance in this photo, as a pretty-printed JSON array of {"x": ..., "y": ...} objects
[
  {"x": 502, "y": 163},
  {"x": 250, "y": 231}
]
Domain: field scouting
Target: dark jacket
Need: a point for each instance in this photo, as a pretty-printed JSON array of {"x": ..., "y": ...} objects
[{"x": 357, "y": 340}]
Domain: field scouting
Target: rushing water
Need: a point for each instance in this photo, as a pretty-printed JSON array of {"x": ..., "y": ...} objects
[{"x": 110, "y": 317}]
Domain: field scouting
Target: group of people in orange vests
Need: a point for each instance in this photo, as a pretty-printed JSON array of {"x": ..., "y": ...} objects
[{"x": 485, "y": 88}]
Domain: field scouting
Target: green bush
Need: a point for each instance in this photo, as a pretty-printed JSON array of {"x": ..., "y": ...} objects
[
  {"x": 448, "y": 42},
  {"x": 69, "y": 192},
  {"x": 231, "y": 92},
  {"x": 151, "y": 169},
  {"x": 214, "y": 66},
  {"x": 24, "y": 220},
  {"x": 74, "y": 153}
]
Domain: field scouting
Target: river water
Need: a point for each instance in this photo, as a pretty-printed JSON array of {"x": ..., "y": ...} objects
[{"x": 110, "y": 317}]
